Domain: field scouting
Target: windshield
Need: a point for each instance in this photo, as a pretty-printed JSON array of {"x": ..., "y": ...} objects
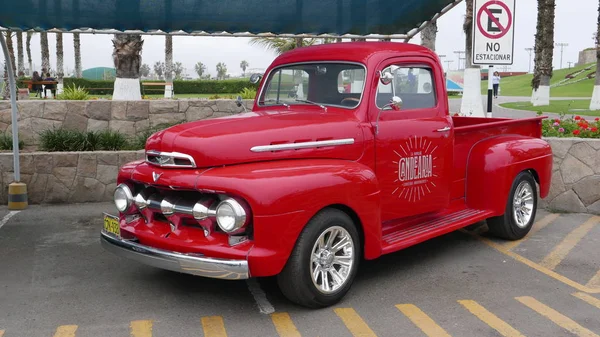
[{"x": 324, "y": 84}]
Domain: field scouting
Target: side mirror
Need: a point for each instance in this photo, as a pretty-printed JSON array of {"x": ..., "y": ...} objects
[
  {"x": 395, "y": 104},
  {"x": 255, "y": 78},
  {"x": 386, "y": 77},
  {"x": 240, "y": 103}
]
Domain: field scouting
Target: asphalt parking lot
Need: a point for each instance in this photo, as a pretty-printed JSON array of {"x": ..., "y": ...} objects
[{"x": 56, "y": 280}]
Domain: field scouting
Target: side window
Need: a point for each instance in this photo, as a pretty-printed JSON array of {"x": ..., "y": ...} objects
[{"x": 414, "y": 85}]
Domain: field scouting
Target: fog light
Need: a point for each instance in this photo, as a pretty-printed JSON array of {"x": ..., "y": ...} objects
[
  {"x": 123, "y": 198},
  {"x": 231, "y": 216}
]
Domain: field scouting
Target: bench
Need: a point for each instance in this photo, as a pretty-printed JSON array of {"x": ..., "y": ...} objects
[
  {"x": 31, "y": 83},
  {"x": 155, "y": 84}
]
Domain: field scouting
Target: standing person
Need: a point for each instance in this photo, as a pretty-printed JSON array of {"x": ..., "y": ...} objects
[{"x": 496, "y": 83}]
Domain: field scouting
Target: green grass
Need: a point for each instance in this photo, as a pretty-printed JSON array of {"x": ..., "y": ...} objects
[
  {"x": 521, "y": 85},
  {"x": 557, "y": 106}
]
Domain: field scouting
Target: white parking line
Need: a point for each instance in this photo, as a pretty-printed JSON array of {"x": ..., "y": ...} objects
[
  {"x": 7, "y": 217},
  {"x": 260, "y": 297}
]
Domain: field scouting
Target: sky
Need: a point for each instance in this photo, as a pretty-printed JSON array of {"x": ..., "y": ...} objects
[{"x": 575, "y": 24}]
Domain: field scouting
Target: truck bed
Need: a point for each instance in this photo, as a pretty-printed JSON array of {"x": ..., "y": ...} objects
[{"x": 470, "y": 130}]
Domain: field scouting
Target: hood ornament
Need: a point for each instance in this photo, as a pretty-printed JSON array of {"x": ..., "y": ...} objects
[{"x": 156, "y": 176}]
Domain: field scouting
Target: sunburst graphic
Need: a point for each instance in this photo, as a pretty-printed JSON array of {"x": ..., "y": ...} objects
[{"x": 415, "y": 169}]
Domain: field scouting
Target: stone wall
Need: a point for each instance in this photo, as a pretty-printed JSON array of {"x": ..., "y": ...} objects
[
  {"x": 91, "y": 176},
  {"x": 575, "y": 177},
  {"x": 586, "y": 56},
  {"x": 129, "y": 117}
]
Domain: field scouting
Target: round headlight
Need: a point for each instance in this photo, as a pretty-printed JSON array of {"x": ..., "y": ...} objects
[
  {"x": 231, "y": 216},
  {"x": 123, "y": 198}
]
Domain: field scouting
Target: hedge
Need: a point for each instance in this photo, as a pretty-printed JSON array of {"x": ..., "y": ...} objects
[{"x": 230, "y": 86}]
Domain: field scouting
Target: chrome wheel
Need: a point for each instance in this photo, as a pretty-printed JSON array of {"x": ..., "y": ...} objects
[
  {"x": 523, "y": 204},
  {"x": 332, "y": 259}
]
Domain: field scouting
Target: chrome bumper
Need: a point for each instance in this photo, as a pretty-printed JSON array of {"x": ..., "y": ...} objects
[{"x": 193, "y": 264}]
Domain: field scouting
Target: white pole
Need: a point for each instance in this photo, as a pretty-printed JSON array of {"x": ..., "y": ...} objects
[{"x": 13, "y": 105}]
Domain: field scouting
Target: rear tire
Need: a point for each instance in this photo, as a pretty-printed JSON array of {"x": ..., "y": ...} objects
[
  {"x": 520, "y": 211},
  {"x": 328, "y": 247}
]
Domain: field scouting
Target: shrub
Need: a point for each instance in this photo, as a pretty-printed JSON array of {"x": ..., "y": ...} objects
[
  {"x": 71, "y": 140},
  {"x": 6, "y": 142},
  {"x": 248, "y": 93},
  {"x": 571, "y": 127},
  {"x": 73, "y": 93}
]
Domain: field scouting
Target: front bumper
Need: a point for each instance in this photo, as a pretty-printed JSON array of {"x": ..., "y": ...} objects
[{"x": 194, "y": 264}]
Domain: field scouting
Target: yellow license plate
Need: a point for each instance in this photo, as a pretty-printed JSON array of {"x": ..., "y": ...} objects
[{"x": 111, "y": 225}]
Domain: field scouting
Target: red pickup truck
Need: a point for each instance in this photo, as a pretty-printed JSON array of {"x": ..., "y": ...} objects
[{"x": 348, "y": 153}]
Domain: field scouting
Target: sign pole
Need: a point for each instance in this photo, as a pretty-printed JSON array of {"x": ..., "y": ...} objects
[{"x": 490, "y": 89}]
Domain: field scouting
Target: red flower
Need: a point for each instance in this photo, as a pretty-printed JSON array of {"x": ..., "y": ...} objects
[
  {"x": 597, "y": 119},
  {"x": 594, "y": 130},
  {"x": 558, "y": 120},
  {"x": 576, "y": 132},
  {"x": 577, "y": 118}
]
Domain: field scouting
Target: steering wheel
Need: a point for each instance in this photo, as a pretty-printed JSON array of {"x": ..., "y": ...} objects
[{"x": 349, "y": 101}]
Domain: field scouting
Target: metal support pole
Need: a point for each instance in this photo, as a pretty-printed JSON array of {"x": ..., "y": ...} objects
[
  {"x": 490, "y": 88},
  {"x": 13, "y": 105}
]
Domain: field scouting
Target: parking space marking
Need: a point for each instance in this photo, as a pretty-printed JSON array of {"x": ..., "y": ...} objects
[
  {"x": 537, "y": 226},
  {"x": 556, "y": 317},
  {"x": 213, "y": 326},
  {"x": 490, "y": 319},
  {"x": 142, "y": 328},
  {"x": 284, "y": 325},
  {"x": 65, "y": 331},
  {"x": 422, "y": 321},
  {"x": 595, "y": 281},
  {"x": 7, "y": 217},
  {"x": 571, "y": 240},
  {"x": 589, "y": 299},
  {"x": 354, "y": 322},
  {"x": 531, "y": 264}
]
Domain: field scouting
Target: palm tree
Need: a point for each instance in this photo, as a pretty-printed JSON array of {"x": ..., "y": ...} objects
[
  {"x": 428, "y": 35},
  {"x": 471, "y": 101},
  {"x": 595, "y": 102},
  {"x": 467, "y": 28},
  {"x": 281, "y": 45},
  {"x": 11, "y": 53},
  {"x": 59, "y": 62},
  {"x": 45, "y": 53},
  {"x": 20, "y": 62},
  {"x": 244, "y": 64},
  {"x": 168, "y": 58},
  {"x": 221, "y": 70},
  {"x": 28, "y": 48},
  {"x": 77, "y": 47},
  {"x": 200, "y": 69},
  {"x": 127, "y": 57},
  {"x": 544, "y": 49}
]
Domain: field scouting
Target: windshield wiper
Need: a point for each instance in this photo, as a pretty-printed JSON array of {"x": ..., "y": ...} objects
[{"x": 305, "y": 101}]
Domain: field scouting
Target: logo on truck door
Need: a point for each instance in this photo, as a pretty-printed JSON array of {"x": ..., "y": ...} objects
[{"x": 416, "y": 164}]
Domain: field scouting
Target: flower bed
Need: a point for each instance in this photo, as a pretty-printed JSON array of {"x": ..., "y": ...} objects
[{"x": 571, "y": 127}]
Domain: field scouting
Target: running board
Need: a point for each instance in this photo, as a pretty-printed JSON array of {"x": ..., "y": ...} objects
[{"x": 422, "y": 231}]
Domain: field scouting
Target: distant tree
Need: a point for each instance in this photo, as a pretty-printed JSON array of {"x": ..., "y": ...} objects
[
  {"x": 159, "y": 69},
  {"x": 178, "y": 70},
  {"x": 145, "y": 70},
  {"x": 200, "y": 69},
  {"x": 281, "y": 45},
  {"x": 244, "y": 64},
  {"x": 221, "y": 70}
]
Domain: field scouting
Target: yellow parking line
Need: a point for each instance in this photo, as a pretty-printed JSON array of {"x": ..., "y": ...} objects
[
  {"x": 562, "y": 249},
  {"x": 141, "y": 328},
  {"x": 537, "y": 226},
  {"x": 490, "y": 319},
  {"x": 213, "y": 326},
  {"x": 284, "y": 325},
  {"x": 534, "y": 265},
  {"x": 422, "y": 321},
  {"x": 556, "y": 317},
  {"x": 65, "y": 331},
  {"x": 589, "y": 299},
  {"x": 595, "y": 281},
  {"x": 354, "y": 323}
]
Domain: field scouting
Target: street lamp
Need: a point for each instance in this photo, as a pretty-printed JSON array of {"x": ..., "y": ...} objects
[
  {"x": 561, "y": 45},
  {"x": 529, "y": 50}
]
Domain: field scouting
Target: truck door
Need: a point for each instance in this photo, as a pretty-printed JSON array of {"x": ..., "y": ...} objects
[{"x": 413, "y": 145}]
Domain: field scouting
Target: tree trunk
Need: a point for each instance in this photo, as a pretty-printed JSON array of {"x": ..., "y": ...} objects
[
  {"x": 468, "y": 27},
  {"x": 338, "y": 40},
  {"x": 20, "y": 62},
  {"x": 59, "y": 63},
  {"x": 544, "y": 49},
  {"x": 428, "y": 35},
  {"x": 595, "y": 102},
  {"x": 168, "y": 58},
  {"x": 299, "y": 42},
  {"x": 77, "y": 47},
  {"x": 127, "y": 50},
  {"x": 11, "y": 54},
  {"x": 28, "y": 48},
  {"x": 45, "y": 53},
  {"x": 471, "y": 102}
]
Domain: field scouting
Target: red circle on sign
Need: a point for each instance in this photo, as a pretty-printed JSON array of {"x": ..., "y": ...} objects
[{"x": 483, "y": 9}]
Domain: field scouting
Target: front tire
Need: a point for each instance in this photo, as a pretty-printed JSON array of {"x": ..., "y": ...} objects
[
  {"x": 520, "y": 211},
  {"x": 324, "y": 262}
]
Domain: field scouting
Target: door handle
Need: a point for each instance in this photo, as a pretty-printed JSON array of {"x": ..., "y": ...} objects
[{"x": 443, "y": 129}]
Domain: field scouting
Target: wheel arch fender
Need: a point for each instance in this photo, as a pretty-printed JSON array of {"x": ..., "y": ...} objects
[{"x": 493, "y": 163}]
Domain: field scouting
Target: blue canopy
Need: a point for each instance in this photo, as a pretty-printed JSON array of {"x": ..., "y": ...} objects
[{"x": 335, "y": 17}]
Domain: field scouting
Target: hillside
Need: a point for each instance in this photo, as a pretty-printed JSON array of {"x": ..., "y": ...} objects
[{"x": 521, "y": 85}]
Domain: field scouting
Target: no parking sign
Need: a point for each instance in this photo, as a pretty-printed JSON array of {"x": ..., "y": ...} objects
[{"x": 493, "y": 32}]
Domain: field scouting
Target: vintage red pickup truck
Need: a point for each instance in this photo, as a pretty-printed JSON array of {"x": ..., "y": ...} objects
[{"x": 348, "y": 153}]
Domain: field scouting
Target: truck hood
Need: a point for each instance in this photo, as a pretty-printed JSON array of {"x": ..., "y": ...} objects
[{"x": 229, "y": 140}]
